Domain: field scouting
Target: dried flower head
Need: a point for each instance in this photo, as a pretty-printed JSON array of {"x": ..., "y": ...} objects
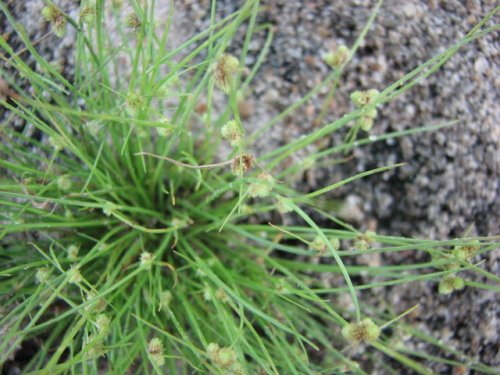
[
  {"x": 88, "y": 12},
  {"x": 224, "y": 70},
  {"x": 232, "y": 133},
  {"x": 366, "y": 330},
  {"x": 448, "y": 284},
  {"x": 132, "y": 21},
  {"x": 57, "y": 19},
  {"x": 337, "y": 58},
  {"x": 242, "y": 164},
  {"x": 155, "y": 351},
  {"x": 262, "y": 186}
]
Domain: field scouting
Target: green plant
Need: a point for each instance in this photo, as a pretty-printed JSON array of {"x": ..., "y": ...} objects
[{"x": 126, "y": 239}]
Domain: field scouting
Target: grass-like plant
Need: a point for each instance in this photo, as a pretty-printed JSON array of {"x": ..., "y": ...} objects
[{"x": 126, "y": 239}]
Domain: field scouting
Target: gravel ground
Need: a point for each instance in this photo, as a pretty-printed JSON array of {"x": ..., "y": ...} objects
[{"x": 451, "y": 182}]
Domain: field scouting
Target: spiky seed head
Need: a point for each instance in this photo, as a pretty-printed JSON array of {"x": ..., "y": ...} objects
[
  {"x": 102, "y": 322},
  {"x": 133, "y": 22},
  {"x": 75, "y": 276},
  {"x": 262, "y": 187},
  {"x": 108, "y": 209},
  {"x": 337, "y": 58},
  {"x": 226, "y": 358},
  {"x": 88, "y": 12},
  {"x": 97, "y": 306},
  {"x": 94, "y": 347},
  {"x": 59, "y": 25},
  {"x": 165, "y": 299},
  {"x": 134, "y": 103},
  {"x": 466, "y": 252},
  {"x": 335, "y": 243},
  {"x": 56, "y": 143},
  {"x": 224, "y": 70},
  {"x": 64, "y": 183},
  {"x": 223, "y": 358},
  {"x": 221, "y": 295},
  {"x": 72, "y": 252},
  {"x": 94, "y": 127},
  {"x": 363, "y": 98},
  {"x": 361, "y": 244},
  {"x": 371, "y": 113},
  {"x": 232, "y": 133},
  {"x": 242, "y": 164},
  {"x": 164, "y": 131},
  {"x": 212, "y": 350},
  {"x": 146, "y": 260},
  {"x": 42, "y": 275},
  {"x": 364, "y": 331},
  {"x": 155, "y": 351},
  {"x": 448, "y": 284},
  {"x": 318, "y": 244},
  {"x": 284, "y": 205},
  {"x": 50, "y": 12}
]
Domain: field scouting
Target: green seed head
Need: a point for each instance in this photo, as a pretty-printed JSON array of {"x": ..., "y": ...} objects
[
  {"x": 262, "y": 187},
  {"x": 337, "y": 58},
  {"x": 165, "y": 299},
  {"x": 366, "y": 330},
  {"x": 102, "y": 322},
  {"x": 449, "y": 284},
  {"x": 155, "y": 351},
  {"x": 64, "y": 183},
  {"x": 363, "y": 98},
  {"x": 232, "y": 133},
  {"x": 146, "y": 260},
  {"x": 59, "y": 25},
  {"x": 51, "y": 12},
  {"x": 42, "y": 275},
  {"x": 465, "y": 253},
  {"x": 72, "y": 252},
  {"x": 284, "y": 205},
  {"x": 88, "y": 12},
  {"x": 134, "y": 103},
  {"x": 75, "y": 276}
]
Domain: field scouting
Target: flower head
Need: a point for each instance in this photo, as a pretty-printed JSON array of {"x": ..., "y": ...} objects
[
  {"x": 232, "y": 133},
  {"x": 337, "y": 58},
  {"x": 155, "y": 351},
  {"x": 448, "y": 284},
  {"x": 224, "y": 70},
  {"x": 262, "y": 186},
  {"x": 366, "y": 330},
  {"x": 57, "y": 19}
]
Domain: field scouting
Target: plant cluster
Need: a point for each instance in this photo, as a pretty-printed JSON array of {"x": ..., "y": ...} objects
[{"x": 126, "y": 238}]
